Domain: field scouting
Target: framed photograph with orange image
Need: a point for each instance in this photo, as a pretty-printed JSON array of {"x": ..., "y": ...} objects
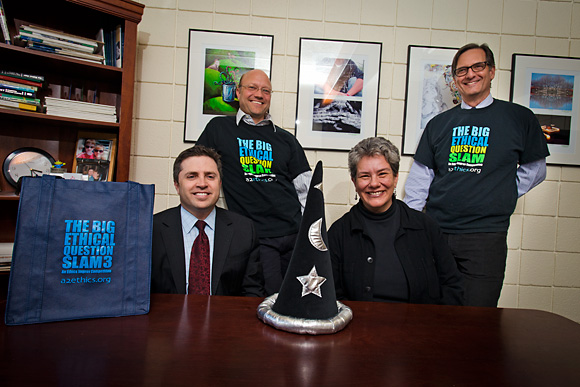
[{"x": 95, "y": 155}]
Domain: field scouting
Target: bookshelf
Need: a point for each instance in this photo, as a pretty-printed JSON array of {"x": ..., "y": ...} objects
[{"x": 54, "y": 134}]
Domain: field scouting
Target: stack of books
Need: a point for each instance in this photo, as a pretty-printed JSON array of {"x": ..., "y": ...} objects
[
  {"x": 18, "y": 90},
  {"x": 79, "y": 109},
  {"x": 6, "y": 256},
  {"x": 56, "y": 42}
]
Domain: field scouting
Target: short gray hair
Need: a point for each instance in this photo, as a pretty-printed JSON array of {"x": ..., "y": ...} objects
[{"x": 374, "y": 146}]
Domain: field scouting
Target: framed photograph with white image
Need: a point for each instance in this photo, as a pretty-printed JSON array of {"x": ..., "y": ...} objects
[
  {"x": 430, "y": 90},
  {"x": 550, "y": 87},
  {"x": 338, "y": 91}
]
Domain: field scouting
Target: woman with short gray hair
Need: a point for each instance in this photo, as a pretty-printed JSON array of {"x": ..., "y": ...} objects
[{"x": 381, "y": 249}]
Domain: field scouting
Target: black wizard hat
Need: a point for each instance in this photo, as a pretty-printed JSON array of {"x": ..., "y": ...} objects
[{"x": 307, "y": 301}]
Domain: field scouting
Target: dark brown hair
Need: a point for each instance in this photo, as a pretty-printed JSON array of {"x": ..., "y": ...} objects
[
  {"x": 470, "y": 46},
  {"x": 195, "y": 151}
]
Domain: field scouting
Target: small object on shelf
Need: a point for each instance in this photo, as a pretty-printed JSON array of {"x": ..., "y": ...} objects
[
  {"x": 27, "y": 161},
  {"x": 57, "y": 167},
  {"x": 69, "y": 175}
]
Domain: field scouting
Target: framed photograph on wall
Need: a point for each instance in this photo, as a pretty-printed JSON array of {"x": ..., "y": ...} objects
[
  {"x": 430, "y": 90},
  {"x": 95, "y": 156},
  {"x": 338, "y": 93},
  {"x": 550, "y": 87},
  {"x": 216, "y": 61}
]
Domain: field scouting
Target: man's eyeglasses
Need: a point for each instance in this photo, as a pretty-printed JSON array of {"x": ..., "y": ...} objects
[
  {"x": 99, "y": 150},
  {"x": 476, "y": 67},
  {"x": 89, "y": 146},
  {"x": 253, "y": 89}
]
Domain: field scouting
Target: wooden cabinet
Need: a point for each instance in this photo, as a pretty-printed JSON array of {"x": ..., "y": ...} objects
[{"x": 58, "y": 135}]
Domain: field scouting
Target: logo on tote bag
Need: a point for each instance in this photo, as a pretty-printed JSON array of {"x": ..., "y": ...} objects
[{"x": 88, "y": 249}]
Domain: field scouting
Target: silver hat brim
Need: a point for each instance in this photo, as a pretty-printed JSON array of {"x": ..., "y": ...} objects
[{"x": 304, "y": 325}]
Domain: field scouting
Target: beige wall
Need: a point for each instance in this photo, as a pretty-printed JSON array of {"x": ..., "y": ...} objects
[{"x": 543, "y": 268}]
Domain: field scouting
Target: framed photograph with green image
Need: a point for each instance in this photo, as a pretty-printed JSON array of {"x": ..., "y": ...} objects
[{"x": 216, "y": 62}]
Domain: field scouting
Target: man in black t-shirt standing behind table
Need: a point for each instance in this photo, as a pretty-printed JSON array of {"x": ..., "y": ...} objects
[
  {"x": 471, "y": 165},
  {"x": 266, "y": 173}
]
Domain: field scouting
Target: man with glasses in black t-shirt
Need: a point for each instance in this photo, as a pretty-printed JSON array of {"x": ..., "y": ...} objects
[{"x": 471, "y": 165}]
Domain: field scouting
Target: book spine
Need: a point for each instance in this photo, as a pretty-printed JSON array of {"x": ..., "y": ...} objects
[
  {"x": 38, "y": 38},
  {"x": 13, "y": 91},
  {"x": 61, "y": 36},
  {"x": 30, "y": 77},
  {"x": 22, "y": 81},
  {"x": 118, "y": 47},
  {"x": 17, "y": 98},
  {"x": 16, "y": 86},
  {"x": 110, "y": 47},
  {"x": 4, "y": 24},
  {"x": 23, "y": 106},
  {"x": 64, "y": 51}
]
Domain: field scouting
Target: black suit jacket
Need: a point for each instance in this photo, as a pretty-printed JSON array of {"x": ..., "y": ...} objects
[{"x": 236, "y": 268}]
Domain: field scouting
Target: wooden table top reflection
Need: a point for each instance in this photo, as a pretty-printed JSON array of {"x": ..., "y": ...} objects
[{"x": 202, "y": 341}]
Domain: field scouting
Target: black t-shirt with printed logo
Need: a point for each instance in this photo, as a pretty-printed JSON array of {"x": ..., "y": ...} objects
[
  {"x": 475, "y": 154},
  {"x": 259, "y": 164}
]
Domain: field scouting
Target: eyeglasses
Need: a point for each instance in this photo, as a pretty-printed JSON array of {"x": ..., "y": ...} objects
[
  {"x": 99, "y": 150},
  {"x": 89, "y": 146},
  {"x": 476, "y": 67},
  {"x": 253, "y": 89}
]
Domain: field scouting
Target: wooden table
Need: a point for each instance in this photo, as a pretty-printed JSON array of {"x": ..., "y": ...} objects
[{"x": 203, "y": 341}]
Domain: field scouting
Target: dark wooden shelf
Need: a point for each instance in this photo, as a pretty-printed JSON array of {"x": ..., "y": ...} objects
[
  {"x": 64, "y": 120},
  {"x": 58, "y": 60},
  {"x": 9, "y": 196}
]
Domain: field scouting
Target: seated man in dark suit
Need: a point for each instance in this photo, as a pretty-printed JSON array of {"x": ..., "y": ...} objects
[{"x": 217, "y": 256}]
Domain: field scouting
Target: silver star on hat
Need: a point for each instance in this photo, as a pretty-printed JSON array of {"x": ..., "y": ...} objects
[{"x": 311, "y": 283}]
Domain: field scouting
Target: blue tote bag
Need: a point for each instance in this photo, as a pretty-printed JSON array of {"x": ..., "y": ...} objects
[{"x": 82, "y": 250}]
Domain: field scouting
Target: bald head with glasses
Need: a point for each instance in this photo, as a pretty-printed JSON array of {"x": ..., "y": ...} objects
[{"x": 254, "y": 93}]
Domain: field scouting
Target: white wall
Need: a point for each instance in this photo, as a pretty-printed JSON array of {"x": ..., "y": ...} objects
[{"x": 543, "y": 268}]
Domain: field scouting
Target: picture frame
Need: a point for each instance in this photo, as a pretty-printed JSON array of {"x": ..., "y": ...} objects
[
  {"x": 216, "y": 60},
  {"x": 95, "y": 155},
  {"x": 550, "y": 87},
  {"x": 430, "y": 90},
  {"x": 328, "y": 117}
]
